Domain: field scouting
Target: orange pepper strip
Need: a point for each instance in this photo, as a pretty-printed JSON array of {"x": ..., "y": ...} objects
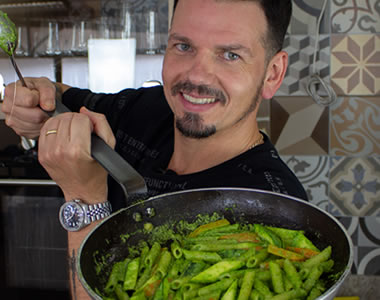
[
  {"x": 150, "y": 289},
  {"x": 241, "y": 237},
  {"x": 209, "y": 226},
  {"x": 303, "y": 251},
  {"x": 285, "y": 253}
]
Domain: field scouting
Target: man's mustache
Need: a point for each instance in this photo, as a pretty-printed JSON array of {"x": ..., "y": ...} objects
[{"x": 203, "y": 90}]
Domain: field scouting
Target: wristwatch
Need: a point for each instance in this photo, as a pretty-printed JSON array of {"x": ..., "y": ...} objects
[{"x": 74, "y": 215}]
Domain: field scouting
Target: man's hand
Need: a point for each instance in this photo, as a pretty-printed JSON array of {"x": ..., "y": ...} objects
[
  {"x": 22, "y": 105},
  {"x": 65, "y": 153}
]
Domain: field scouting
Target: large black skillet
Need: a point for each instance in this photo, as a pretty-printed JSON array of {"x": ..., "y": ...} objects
[{"x": 253, "y": 206}]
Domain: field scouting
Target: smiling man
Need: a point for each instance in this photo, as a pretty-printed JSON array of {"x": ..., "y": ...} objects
[{"x": 199, "y": 130}]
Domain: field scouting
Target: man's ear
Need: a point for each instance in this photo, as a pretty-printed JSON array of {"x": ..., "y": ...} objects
[{"x": 275, "y": 74}]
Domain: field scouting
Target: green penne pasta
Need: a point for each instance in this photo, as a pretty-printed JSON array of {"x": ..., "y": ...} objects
[
  {"x": 277, "y": 280},
  {"x": 231, "y": 292},
  {"x": 220, "y": 285},
  {"x": 323, "y": 256},
  {"x": 212, "y": 273},
  {"x": 214, "y": 295},
  {"x": 257, "y": 258},
  {"x": 219, "y": 246},
  {"x": 178, "y": 268},
  {"x": 131, "y": 275},
  {"x": 313, "y": 277},
  {"x": 292, "y": 274},
  {"x": 163, "y": 263},
  {"x": 246, "y": 286},
  {"x": 221, "y": 230},
  {"x": 222, "y": 261},
  {"x": 151, "y": 257},
  {"x": 120, "y": 293},
  {"x": 290, "y": 295},
  {"x": 256, "y": 295},
  {"x": 211, "y": 257},
  {"x": 117, "y": 276},
  {"x": 262, "y": 288},
  {"x": 176, "y": 249}
]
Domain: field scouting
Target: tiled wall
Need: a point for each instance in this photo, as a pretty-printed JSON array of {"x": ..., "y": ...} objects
[{"x": 335, "y": 150}]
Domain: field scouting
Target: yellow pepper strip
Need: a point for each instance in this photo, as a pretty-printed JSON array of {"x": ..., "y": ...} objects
[
  {"x": 209, "y": 226},
  {"x": 303, "y": 251},
  {"x": 285, "y": 253},
  {"x": 241, "y": 237}
]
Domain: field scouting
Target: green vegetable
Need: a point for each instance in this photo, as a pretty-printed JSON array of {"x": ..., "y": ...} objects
[{"x": 8, "y": 34}]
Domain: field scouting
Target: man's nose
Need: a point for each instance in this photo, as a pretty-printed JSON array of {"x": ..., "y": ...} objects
[{"x": 201, "y": 69}]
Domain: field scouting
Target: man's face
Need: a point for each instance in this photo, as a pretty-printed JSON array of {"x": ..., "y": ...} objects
[{"x": 214, "y": 65}]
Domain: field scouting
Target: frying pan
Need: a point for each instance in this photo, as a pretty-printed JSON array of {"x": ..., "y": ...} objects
[{"x": 236, "y": 204}]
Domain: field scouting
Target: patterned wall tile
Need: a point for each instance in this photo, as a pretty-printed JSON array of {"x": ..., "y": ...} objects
[
  {"x": 355, "y": 64},
  {"x": 299, "y": 126},
  {"x": 305, "y": 16},
  {"x": 313, "y": 173},
  {"x": 365, "y": 236},
  {"x": 301, "y": 51},
  {"x": 355, "y": 186},
  {"x": 355, "y": 16},
  {"x": 369, "y": 246},
  {"x": 355, "y": 126}
]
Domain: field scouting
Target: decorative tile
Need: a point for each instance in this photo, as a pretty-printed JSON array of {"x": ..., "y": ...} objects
[
  {"x": 355, "y": 64},
  {"x": 355, "y": 186},
  {"x": 301, "y": 52},
  {"x": 299, "y": 126},
  {"x": 355, "y": 16},
  {"x": 313, "y": 173},
  {"x": 355, "y": 126},
  {"x": 305, "y": 16},
  {"x": 365, "y": 236}
]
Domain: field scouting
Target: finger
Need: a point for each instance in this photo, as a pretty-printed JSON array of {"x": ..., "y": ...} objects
[
  {"x": 46, "y": 90},
  {"x": 101, "y": 126},
  {"x": 80, "y": 133},
  {"x": 17, "y": 95}
]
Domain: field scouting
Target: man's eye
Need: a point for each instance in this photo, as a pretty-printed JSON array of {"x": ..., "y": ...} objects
[
  {"x": 231, "y": 56},
  {"x": 182, "y": 47}
]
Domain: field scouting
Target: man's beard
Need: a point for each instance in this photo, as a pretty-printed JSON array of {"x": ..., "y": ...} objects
[{"x": 191, "y": 124}]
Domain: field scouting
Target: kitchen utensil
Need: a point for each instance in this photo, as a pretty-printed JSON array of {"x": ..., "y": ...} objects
[
  {"x": 117, "y": 167},
  {"x": 103, "y": 246}
]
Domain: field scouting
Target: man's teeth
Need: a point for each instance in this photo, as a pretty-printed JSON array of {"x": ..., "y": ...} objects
[{"x": 199, "y": 100}]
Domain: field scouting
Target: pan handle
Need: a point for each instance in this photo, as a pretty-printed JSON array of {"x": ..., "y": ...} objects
[{"x": 129, "y": 179}]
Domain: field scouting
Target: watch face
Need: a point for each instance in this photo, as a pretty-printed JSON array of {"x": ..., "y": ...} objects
[{"x": 72, "y": 216}]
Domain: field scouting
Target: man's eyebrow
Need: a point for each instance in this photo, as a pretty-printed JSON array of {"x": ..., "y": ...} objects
[{"x": 178, "y": 37}]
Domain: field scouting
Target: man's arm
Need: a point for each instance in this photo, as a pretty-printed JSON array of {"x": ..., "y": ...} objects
[{"x": 74, "y": 241}]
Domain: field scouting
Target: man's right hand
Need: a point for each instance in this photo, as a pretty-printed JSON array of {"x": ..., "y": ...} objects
[{"x": 22, "y": 106}]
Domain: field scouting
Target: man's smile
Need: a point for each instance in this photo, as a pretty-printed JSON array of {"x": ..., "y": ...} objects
[{"x": 195, "y": 100}]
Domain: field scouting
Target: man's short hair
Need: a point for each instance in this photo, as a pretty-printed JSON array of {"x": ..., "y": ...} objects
[{"x": 278, "y": 14}]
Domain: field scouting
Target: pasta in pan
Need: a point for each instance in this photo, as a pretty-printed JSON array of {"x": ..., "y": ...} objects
[{"x": 219, "y": 260}]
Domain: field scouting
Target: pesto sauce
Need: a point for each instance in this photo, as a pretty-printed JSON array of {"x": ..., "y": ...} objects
[{"x": 8, "y": 34}]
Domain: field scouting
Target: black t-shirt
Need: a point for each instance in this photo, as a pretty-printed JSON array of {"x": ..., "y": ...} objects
[{"x": 143, "y": 125}]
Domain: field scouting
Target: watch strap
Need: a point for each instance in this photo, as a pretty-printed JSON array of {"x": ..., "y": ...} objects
[{"x": 98, "y": 211}]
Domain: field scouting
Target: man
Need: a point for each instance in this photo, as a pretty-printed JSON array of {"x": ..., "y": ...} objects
[{"x": 223, "y": 58}]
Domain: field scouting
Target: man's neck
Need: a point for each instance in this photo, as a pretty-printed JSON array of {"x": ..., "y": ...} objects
[{"x": 194, "y": 155}]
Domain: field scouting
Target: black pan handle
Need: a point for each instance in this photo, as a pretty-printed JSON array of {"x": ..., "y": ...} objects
[{"x": 129, "y": 179}]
